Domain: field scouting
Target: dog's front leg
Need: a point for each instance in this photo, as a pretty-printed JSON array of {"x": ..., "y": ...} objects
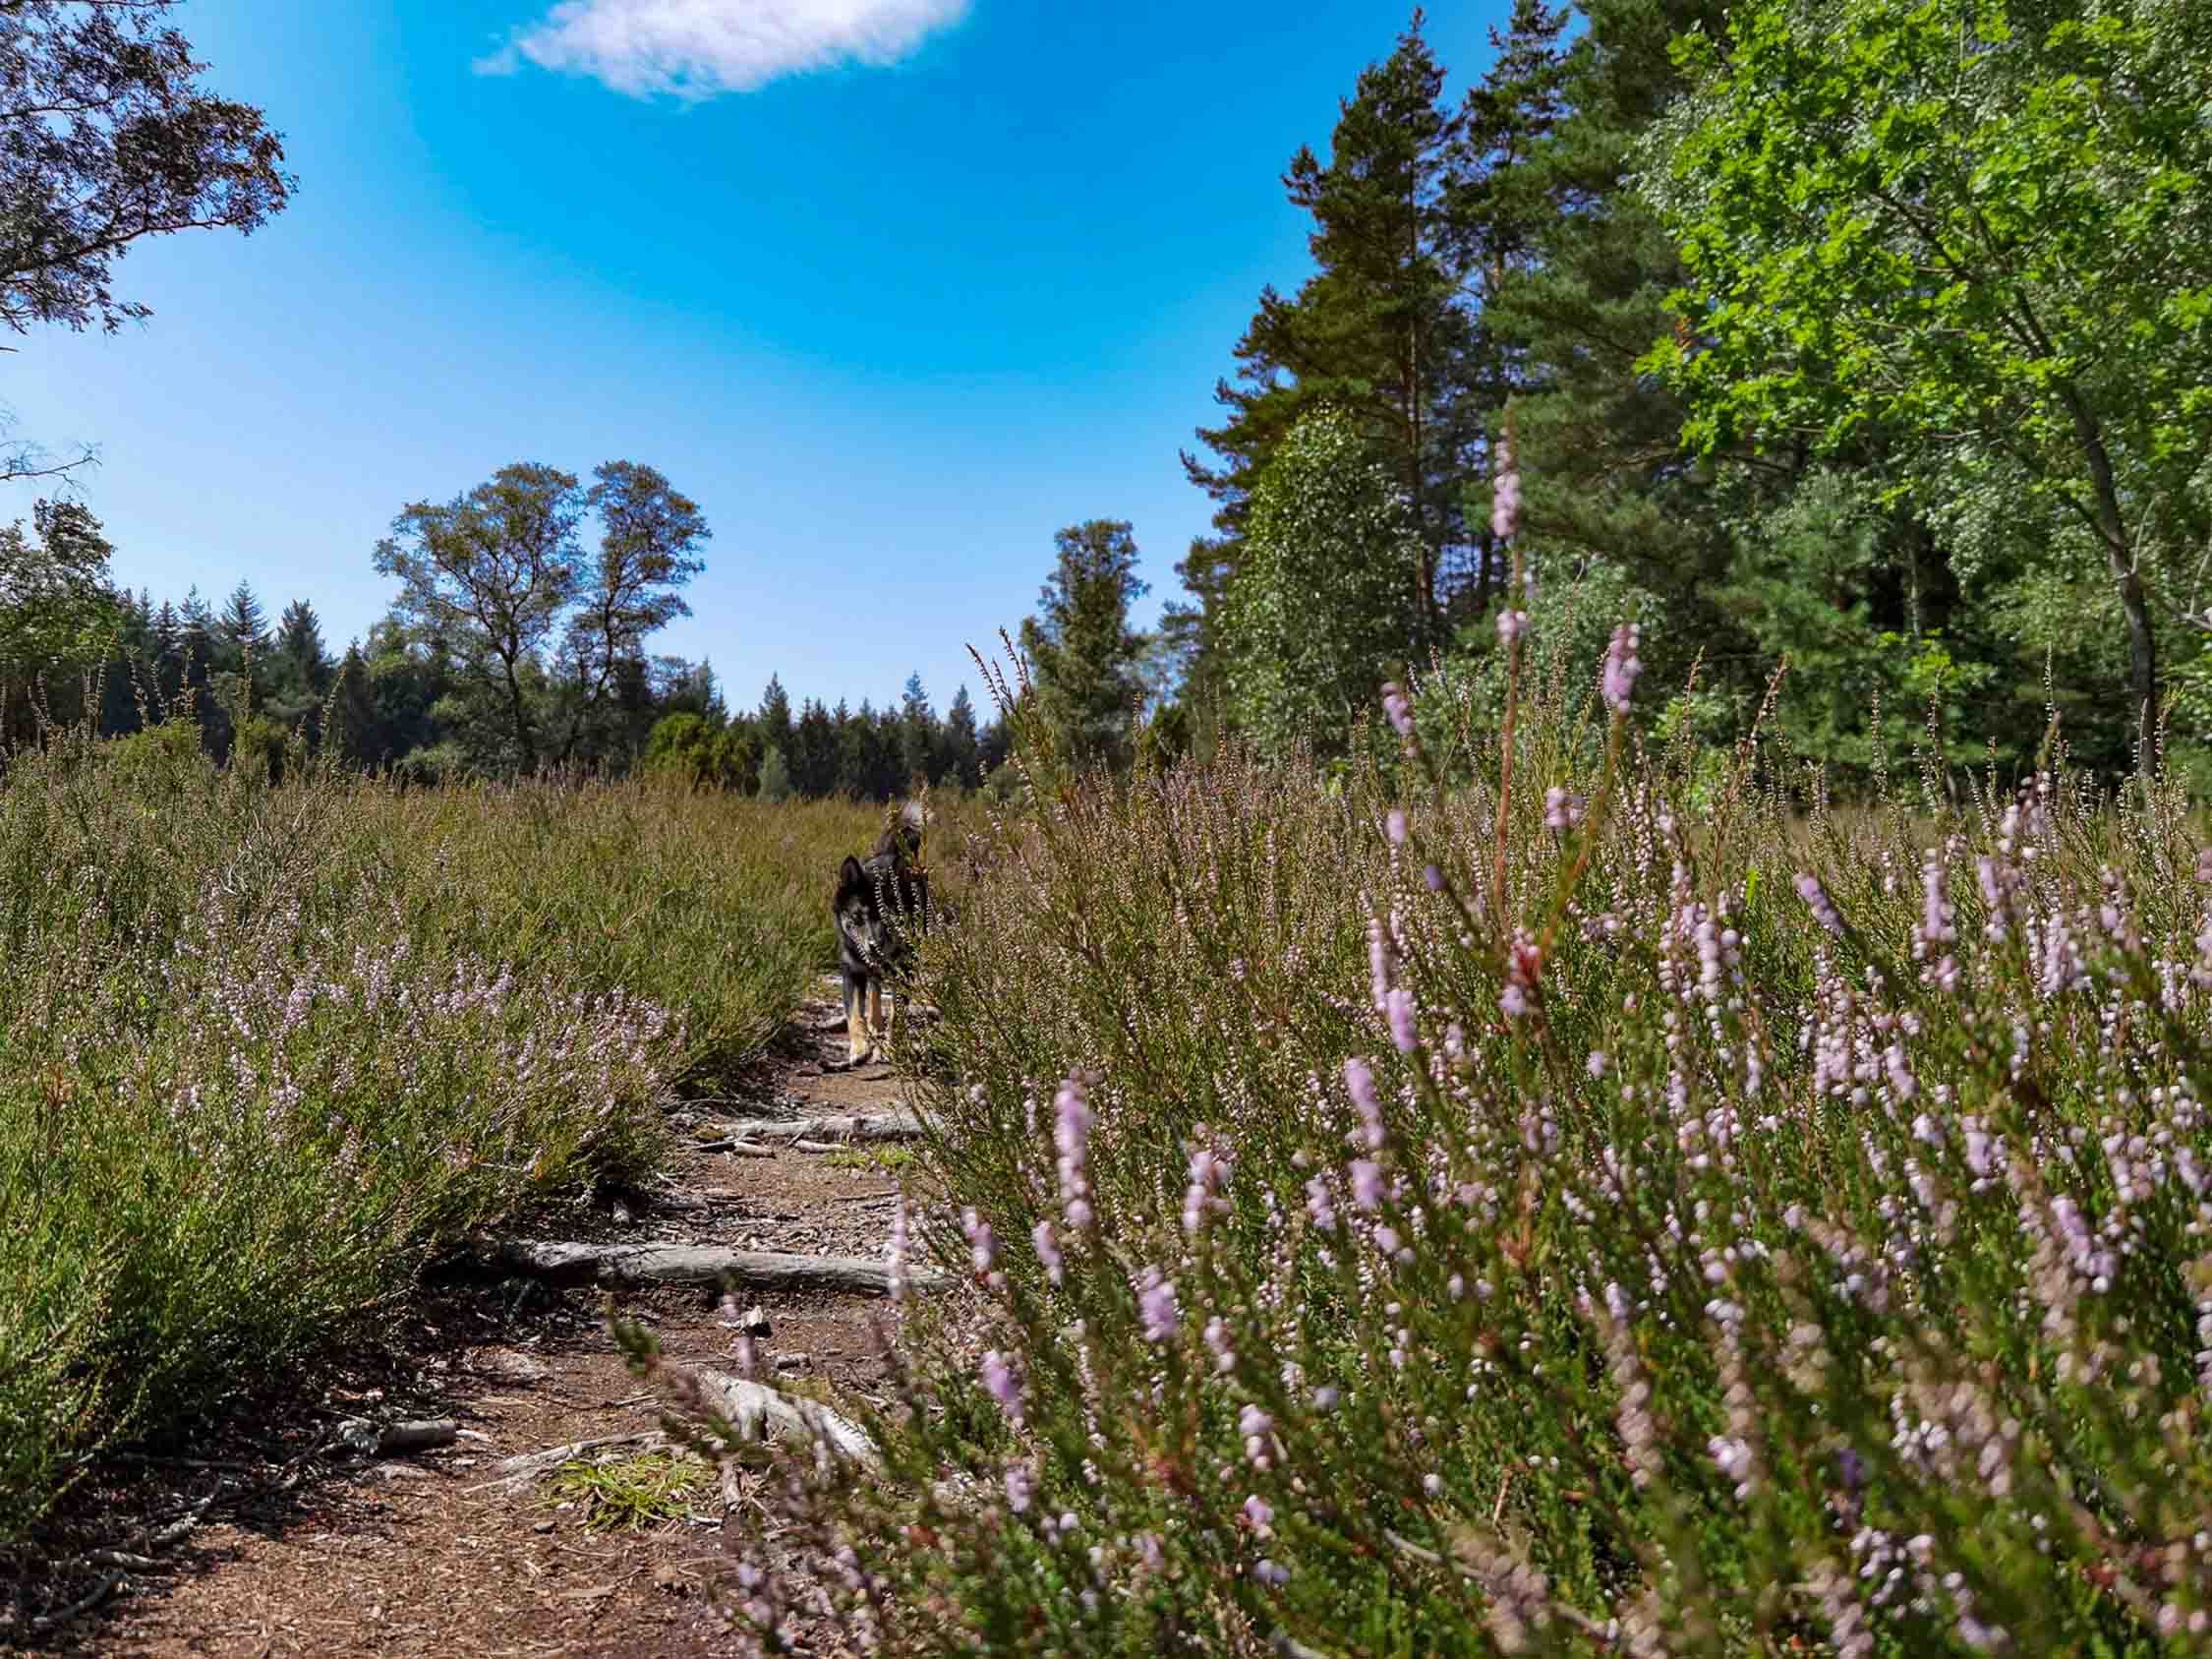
[
  {"x": 876, "y": 1030},
  {"x": 855, "y": 1019}
]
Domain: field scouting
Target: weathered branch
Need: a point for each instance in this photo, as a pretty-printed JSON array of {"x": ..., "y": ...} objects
[
  {"x": 859, "y": 1126},
  {"x": 700, "y": 1263},
  {"x": 756, "y": 1412}
]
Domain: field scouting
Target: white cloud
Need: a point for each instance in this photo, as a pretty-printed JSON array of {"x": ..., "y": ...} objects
[{"x": 697, "y": 48}]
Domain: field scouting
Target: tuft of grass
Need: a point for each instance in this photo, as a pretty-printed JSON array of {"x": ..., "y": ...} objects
[
  {"x": 268, "y": 1050},
  {"x": 877, "y": 1159},
  {"x": 630, "y": 1494}
]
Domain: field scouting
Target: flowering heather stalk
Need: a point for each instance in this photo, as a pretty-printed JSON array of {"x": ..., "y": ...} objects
[{"x": 1720, "y": 1279}]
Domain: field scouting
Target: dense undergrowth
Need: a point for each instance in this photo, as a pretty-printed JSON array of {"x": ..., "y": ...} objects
[
  {"x": 268, "y": 1050},
  {"x": 1597, "y": 1204}
]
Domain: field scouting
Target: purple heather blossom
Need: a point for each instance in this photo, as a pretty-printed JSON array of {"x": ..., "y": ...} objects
[
  {"x": 1505, "y": 495},
  {"x": 1380, "y": 965},
  {"x": 1048, "y": 1251},
  {"x": 1394, "y": 704},
  {"x": 1367, "y": 1183},
  {"x": 1597, "y": 1063},
  {"x": 1318, "y": 1205},
  {"x": 1621, "y": 668},
  {"x": 1207, "y": 1171},
  {"x": 1020, "y": 1487},
  {"x": 1217, "y": 1339},
  {"x": 1271, "y": 1574},
  {"x": 1070, "y": 1136},
  {"x": 1000, "y": 1384},
  {"x": 1259, "y": 1513},
  {"x": 1359, "y": 1080},
  {"x": 1394, "y": 826},
  {"x": 1400, "y": 1007},
  {"x": 1434, "y": 879},
  {"x": 982, "y": 1247},
  {"x": 1511, "y": 624},
  {"x": 1157, "y": 1307},
  {"x": 1563, "y": 808},
  {"x": 2204, "y": 864},
  {"x": 1816, "y": 899}
]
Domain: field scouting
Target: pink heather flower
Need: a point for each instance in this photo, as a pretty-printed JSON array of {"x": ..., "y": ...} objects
[
  {"x": 999, "y": 1383},
  {"x": 2204, "y": 864},
  {"x": 1206, "y": 1173},
  {"x": 1070, "y": 1136},
  {"x": 983, "y": 1248},
  {"x": 1400, "y": 1007},
  {"x": 1259, "y": 1513},
  {"x": 1318, "y": 1205},
  {"x": 1386, "y": 1240},
  {"x": 1359, "y": 1079},
  {"x": 1367, "y": 1183},
  {"x": 1394, "y": 704},
  {"x": 1511, "y": 624},
  {"x": 1020, "y": 1487},
  {"x": 1379, "y": 961},
  {"x": 1048, "y": 1251},
  {"x": 1621, "y": 668},
  {"x": 1562, "y": 809},
  {"x": 1217, "y": 1339},
  {"x": 1394, "y": 826},
  {"x": 1271, "y": 1574},
  {"x": 1597, "y": 1063},
  {"x": 1505, "y": 495},
  {"x": 1157, "y": 1307},
  {"x": 1817, "y": 901},
  {"x": 1434, "y": 879}
]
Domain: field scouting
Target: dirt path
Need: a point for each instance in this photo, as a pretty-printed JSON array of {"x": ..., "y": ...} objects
[{"x": 412, "y": 1556}]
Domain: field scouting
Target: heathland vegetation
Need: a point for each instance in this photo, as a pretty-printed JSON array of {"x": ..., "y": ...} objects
[{"x": 1675, "y": 1126}]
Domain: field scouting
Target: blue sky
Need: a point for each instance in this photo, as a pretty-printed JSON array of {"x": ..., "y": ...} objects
[{"x": 893, "y": 288}]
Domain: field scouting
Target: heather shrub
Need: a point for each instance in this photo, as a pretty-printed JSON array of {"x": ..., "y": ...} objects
[
  {"x": 1530, "y": 1214},
  {"x": 268, "y": 1050}
]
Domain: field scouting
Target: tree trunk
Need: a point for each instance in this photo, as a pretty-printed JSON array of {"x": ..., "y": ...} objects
[
  {"x": 523, "y": 743},
  {"x": 2112, "y": 529}
]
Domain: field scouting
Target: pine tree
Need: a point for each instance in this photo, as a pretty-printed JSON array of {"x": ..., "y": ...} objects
[
  {"x": 963, "y": 746},
  {"x": 775, "y": 717},
  {"x": 917, "y": 734},
  {"x": 1081, "y": 648},
  {"x": 1378, "y": 331}
]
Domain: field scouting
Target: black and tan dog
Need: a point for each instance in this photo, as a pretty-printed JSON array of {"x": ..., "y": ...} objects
[{"x": 878, "y": 906}]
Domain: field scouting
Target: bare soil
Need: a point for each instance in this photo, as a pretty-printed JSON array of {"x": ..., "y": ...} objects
[{"x": 303, "y": 1547}]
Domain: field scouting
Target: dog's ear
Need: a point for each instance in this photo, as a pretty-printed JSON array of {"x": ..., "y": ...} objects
[{"x": 851, "y": 874}]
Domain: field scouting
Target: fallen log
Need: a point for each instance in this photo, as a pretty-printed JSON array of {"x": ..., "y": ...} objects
[
  {"x": 703, "y": 1264},
  {"x": 759, "y": 1413},
  {"x": 847, "y": 1129},
  {"x": 743, "y": 1149}
]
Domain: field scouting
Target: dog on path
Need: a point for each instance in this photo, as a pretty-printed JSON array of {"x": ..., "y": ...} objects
[{"x": 878, "y": 906}]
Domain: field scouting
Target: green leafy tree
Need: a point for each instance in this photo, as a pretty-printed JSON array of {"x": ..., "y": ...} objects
[
  {"x": 1984, "y": 226},
  {"x": 56, "y": 604},
  {"x": 1319, "y": 612},
  {"x": 107, "y": 137},
  {"x": 491, "y": 573},
  {"x": 1083, "y": 652},
  {"x": 649, "y": 538}
]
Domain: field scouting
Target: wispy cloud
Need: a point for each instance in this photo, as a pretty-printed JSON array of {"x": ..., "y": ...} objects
[{"x": 697, "y": 48}]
